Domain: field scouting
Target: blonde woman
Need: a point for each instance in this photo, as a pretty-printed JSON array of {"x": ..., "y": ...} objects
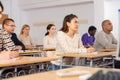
[{"x": 25, "y": 37}]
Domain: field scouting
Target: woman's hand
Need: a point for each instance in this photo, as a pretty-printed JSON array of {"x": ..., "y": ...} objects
[
  {"x": 19, "y": 47},
  {"x": 91, "y": 49},
  {"x": 5, "y": 55},
  {"x": 29, "y": 47},
  {"x": 13, "y": 54}
]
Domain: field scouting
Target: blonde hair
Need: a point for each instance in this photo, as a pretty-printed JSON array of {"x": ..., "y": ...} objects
[{"x": 23, "y": 27}]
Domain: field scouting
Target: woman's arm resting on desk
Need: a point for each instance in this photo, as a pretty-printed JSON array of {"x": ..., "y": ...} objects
[
  {"x": 14, "y": 54},
  {"x": 5, "y": 55}
]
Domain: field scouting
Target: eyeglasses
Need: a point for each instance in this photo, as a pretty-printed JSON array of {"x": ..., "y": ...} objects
[{"x": 11, "y": 25}]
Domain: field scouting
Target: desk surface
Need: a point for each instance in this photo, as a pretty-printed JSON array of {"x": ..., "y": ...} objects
[
  {"x": 49, "y": 49},
  {"x": 25, "y": 60},
  {"x": 88, "y": 55},
  {"x": 51, "y": 75},
  {"x": 108, "y": 50},
  {"x": 29, "y": 51}
]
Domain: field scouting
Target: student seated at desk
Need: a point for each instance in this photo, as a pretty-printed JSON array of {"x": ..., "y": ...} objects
[
  {"x": 88, "y": 38},
  {"x": 49, "y": 40},
  {"x": 105, "y": 39},
  {"x": 9, "y": 25},
  {"x": 7, "y": 47},
  {"x": 68, "y": 40},
  {"x": 25, "y": 38}
]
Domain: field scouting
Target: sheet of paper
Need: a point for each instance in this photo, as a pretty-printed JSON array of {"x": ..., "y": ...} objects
[
  {"x": 85, "y": 77},
  {"x": 8, "y": 60},
  {"x": 71, "y": 73}
]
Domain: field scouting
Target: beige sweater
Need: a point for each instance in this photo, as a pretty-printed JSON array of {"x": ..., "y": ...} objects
[
  {"x": 26, "y": 40},
  {"x": 65, "y": 44},
  {"x": 103, "y": 41}
]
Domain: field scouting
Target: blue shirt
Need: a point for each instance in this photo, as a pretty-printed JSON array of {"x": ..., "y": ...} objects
[{"x": 87, "y": 39}]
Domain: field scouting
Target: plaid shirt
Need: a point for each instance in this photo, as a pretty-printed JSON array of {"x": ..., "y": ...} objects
[{"x": 5, "y": 41}]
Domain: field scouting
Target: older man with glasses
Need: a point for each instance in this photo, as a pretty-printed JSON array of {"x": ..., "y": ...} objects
[{"x": 9, "y": 25}]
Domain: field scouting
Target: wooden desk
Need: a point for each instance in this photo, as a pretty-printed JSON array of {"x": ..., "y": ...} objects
[
  {"x": 25, "y": 60},
  {"x": 52, "y": 74},
  {"x": 109, "y": 50},
  {"x": 49, "y": 49},
  {"x": 88, "y": 55},
  {"x": 31, "y": 52}
]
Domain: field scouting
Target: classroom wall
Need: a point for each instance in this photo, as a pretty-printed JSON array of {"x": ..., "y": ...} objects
[
  {"x": 12, "y": 8},
  {"x": 7, "y": 6},
  {"x": 32, "y": 4}
]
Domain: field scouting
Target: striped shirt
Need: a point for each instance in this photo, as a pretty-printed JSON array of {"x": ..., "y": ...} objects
[{"x": 5, "y": 41}]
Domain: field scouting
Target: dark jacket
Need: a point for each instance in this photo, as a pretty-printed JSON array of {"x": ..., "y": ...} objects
[{"x": 16, "y": 41}]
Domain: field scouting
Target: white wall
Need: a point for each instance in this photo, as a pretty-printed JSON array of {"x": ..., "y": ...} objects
[
  {"x": 111, "y": 12},
  {"x": 7, "y": 6},
  {"x": 18, "y": 15},
  {"x": 11, "y": 7},
  {"x": 31, "y": 4},
  {"x": 98, "y": 13}
]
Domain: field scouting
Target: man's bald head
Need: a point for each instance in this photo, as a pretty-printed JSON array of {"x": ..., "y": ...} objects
[{"x": 107, "y": 26}]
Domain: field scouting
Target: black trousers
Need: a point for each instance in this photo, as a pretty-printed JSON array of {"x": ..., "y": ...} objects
[{"x": 117, "y": 63}]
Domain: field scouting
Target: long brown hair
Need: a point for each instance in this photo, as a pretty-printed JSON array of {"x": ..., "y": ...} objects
[
  {"x": 23, "y": 27},
  {"x": 67, "y": 18}
]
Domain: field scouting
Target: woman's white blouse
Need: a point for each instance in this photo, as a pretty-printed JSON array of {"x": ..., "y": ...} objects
[
  {"x": 49, "y": 42},
  {"x": 65, "y": 44}
]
